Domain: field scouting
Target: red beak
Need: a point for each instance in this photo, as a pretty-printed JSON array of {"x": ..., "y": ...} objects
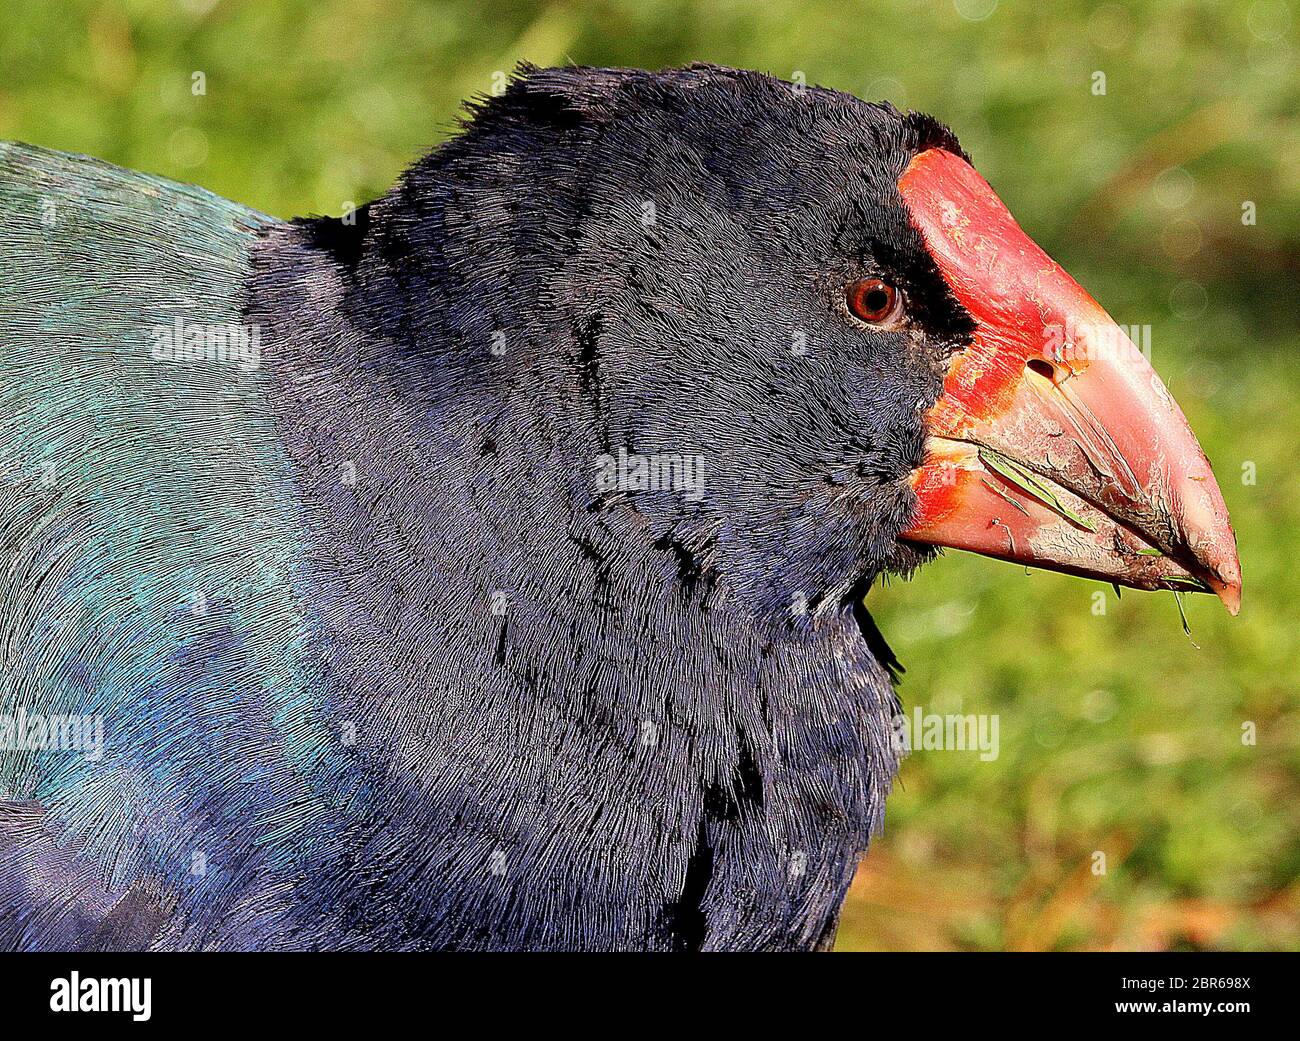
[{"x": 1054, "y": 442}]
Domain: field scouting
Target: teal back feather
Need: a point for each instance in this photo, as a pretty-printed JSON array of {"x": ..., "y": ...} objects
[{"x": 148, "y": 545}]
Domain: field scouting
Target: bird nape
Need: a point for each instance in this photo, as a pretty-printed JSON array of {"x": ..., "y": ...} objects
[{"x": 484, "y": 569}]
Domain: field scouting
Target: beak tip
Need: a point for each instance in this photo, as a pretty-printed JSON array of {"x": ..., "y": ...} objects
[
  {"x": 1225, "y": 580},
  {"x": 1230, "y": 594}
]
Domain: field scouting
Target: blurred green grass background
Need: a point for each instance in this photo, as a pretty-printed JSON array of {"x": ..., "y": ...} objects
[{"x": 1117, "y": 734}]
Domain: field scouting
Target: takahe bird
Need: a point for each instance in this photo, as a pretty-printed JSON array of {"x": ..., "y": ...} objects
[{"x": 485, "y": 569}]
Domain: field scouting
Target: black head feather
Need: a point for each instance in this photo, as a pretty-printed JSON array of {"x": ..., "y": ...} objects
[{"x": 661, "y": 257}]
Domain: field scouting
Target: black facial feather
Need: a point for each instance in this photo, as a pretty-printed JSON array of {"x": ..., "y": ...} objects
[{"x": 606, "y": 262}]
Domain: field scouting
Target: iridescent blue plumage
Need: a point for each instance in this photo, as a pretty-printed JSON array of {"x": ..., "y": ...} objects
[{"x": 149, "y": 541}]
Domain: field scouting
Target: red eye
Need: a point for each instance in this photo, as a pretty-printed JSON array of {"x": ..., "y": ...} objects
[{"x": 874, "y": 301}]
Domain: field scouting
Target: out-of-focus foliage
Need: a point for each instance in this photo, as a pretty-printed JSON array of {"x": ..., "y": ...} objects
[{"x": 1118, "y": 736}]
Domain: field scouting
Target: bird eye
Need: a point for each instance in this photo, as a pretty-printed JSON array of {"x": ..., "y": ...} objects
[{"x": 874, "y": 301}]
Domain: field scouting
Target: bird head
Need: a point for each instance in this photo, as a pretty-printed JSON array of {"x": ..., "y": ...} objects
[{"x": 802, "y": 341}]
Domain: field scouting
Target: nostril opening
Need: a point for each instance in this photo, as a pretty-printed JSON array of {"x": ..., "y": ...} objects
[{"x": 1043, "y": 367}]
